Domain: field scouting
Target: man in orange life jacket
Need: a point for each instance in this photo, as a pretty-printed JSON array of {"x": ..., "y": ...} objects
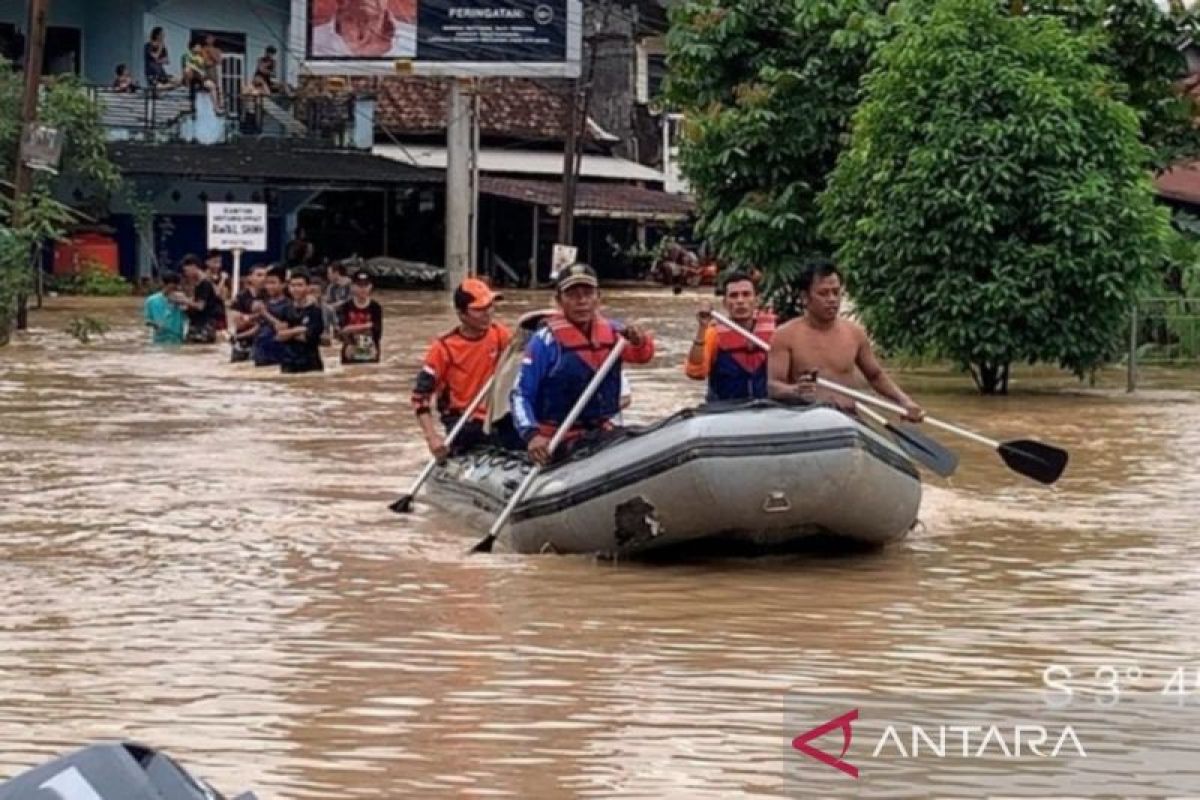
[
  {"x": 561, "y": 360},
  {"x": 735, "y": 368},
  {"x": 457, "y": 366}
]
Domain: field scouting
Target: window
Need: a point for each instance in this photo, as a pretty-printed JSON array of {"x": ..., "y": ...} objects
[
  {"x": 656, "y": 75},
  {"x": 651, "y": 69},
  {"x": 64, "y": 51},
  {"x": 63, "y": 54},
  {"x": 12, "y": 43}
]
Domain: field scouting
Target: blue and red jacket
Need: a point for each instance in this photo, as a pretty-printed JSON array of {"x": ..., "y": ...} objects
[
  {"x": 735, "y": 368},
  {"x": 559, "y": 362}
]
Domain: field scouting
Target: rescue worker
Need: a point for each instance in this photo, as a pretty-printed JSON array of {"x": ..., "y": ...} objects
[
  {"x": 735, "y": 368},
  {"x": 457, "y": 366},
  {"x": 561, "y": 360}
]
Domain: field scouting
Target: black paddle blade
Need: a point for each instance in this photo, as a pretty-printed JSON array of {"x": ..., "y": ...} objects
[
  {"x": 925, "y": 450},
  {"x": 1042, "y": 462},
  {"x": 484, "y": 545},
  {"x": 403, "y": 505}
]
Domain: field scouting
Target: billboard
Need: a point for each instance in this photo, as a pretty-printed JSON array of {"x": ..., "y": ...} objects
[{"x": 438, "y": 37}]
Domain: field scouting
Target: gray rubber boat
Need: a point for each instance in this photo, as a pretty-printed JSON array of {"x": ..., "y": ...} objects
[
  {"x": 111, "y": 771},
  {"x": 748, "y": 477}
]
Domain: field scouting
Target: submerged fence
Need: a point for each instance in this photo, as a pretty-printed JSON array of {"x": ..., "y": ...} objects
[{"x": 1163, "y": 331}]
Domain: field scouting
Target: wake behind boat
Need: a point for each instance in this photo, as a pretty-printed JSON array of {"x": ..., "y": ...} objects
[{"x": 755, "y": 476}]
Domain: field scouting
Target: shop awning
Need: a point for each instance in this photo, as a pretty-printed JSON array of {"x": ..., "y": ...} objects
[
  {"x": 523, "y": 162},
  {"x": 594, "y": 199}
]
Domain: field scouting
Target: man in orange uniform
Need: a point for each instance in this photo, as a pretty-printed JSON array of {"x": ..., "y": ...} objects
[
  {"x": 735, "y": 368},
  {"x": 457, "y": 366}
]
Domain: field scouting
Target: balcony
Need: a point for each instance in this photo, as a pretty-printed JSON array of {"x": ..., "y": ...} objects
[{"x": 175, "y": 115}]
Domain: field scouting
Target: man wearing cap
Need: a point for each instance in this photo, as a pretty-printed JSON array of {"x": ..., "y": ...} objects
[
  {"x": 561, "y": 360},
  {"x": 360, "y": 323},
  {"x": 457, "y": 366}
]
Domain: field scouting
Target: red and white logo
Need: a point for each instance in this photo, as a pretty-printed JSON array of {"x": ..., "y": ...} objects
[{"x": 801, "y": 742}]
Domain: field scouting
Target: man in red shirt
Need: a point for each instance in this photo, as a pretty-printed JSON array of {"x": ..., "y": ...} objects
[{"x": 457, "y": 366}]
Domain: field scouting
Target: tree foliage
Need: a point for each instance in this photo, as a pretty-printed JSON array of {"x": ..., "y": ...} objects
[
  {"x": 64, "y": 104},
  {"x": 993, "y": 205},
  {"x": 1139, "y": 40},
  {"x": 768, "y": 87}
]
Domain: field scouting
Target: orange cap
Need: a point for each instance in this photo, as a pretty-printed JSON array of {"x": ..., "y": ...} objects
[{"x": 474, "y": 293}]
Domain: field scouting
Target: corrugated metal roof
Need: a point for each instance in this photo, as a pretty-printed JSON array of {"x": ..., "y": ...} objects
[
  {"x": 593, "y": 198},
  {"x": 264, "y": 159},
  {"x": 523, "y": 162}
]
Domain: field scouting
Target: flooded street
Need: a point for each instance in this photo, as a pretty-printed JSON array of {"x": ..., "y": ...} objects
[{"x": 199, "y": 556}]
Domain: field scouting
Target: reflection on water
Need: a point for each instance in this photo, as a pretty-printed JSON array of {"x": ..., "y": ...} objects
[{"x": 199, "y": 555}]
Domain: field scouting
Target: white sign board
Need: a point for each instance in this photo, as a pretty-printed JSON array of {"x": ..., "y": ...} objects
[
  {"x": 562, "y": 257},
  {"x": 237, "y": 226},
  {"x": 41, "y": 147}
]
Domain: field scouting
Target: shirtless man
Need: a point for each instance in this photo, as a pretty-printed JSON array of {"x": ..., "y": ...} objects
[{"x": 822, "y": 343}]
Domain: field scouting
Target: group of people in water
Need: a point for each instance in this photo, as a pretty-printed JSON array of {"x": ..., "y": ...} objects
[
  {"x": 565, "y": 352},
  {"x": 281, "y": 318},
  {"x": 278, "y": 317}
]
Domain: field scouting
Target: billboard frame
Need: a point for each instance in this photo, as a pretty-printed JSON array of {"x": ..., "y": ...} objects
[{"x": 569, "y": 67}]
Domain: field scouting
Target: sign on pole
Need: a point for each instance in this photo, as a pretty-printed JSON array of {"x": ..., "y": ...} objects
[
  {"x": 237, "y": 226},
  {"x": 562, "y": 257},
  {"x": 41, "y": 147}
]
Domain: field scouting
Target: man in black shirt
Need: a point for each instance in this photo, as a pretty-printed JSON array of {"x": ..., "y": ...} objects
[
  {"x": 204, "y": 308},
  {"x": 244, "y": 325},
  {"x": 360, "y": 323},
  {"x": 301, "y": 328}
]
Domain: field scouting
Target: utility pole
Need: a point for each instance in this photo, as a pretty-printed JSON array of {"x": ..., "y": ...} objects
[
  {"x": 35, "y": 47},
  {"x": 566, "y": 216},
  {"x": 458, "y": 184},
  {"x": 573, "y": 149},
  {"x": 473, "y": 261}
]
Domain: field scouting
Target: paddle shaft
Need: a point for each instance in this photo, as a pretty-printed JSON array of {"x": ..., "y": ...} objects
[
  {"x": 863, "y": 397},
  {"x": 757, "y": 342},
  {"x": 450, "y": 437},
  {"x": 555, "y": 441}
]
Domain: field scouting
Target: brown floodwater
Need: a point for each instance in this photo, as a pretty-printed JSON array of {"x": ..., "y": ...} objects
[{"x": 199, "y": 556}]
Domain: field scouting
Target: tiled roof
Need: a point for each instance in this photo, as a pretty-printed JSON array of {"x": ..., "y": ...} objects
[
  {"x": 265, "y": 159},
  {"x": 1181, "y": 183},
  {"x": 518, "y": 108},
  {"x": 593, "y": 198}
]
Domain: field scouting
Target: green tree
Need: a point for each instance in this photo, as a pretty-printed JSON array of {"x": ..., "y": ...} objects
[
  {"x": 768, "y": 88},
  {"x": 1140, "y": 41},
  {"x": 66, "y": 105},
  {"x": 993, "y": 205}
]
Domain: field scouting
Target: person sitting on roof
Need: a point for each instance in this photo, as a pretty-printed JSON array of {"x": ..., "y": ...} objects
[{"x": 560, "y": 362}]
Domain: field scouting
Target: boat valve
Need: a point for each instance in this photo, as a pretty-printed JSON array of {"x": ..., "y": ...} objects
[{"x": 776, "y": 502}]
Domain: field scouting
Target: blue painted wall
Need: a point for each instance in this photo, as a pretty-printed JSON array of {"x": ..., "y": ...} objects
[
  {"x": 65, "y": 13},
  {"x": 113, "y": 31},
  {"x": 113, "y": 35},
  {"x": 264, "y": 22}
]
